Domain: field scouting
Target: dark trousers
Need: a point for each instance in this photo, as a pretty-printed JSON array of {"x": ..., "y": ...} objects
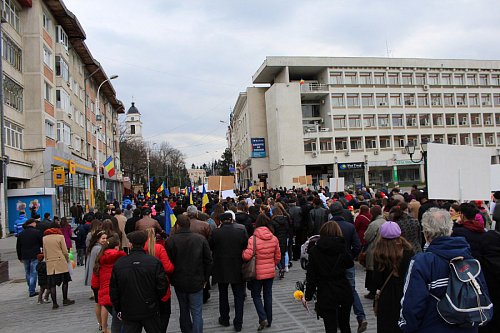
[
  {"x": 239, "y": 298},
  {"x": 300, "y": 238},
  {"x": 80, "y": 257},
  {"x": 340, "y": 315},
  {"x": 264, "y": 311},
  {"x": 150, "y": 325},
  {"x": 165, "y": 311}
]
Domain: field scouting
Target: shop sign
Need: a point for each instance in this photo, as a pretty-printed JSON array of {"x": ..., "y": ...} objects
[
  {"x": 258, "y": 147},
  {"x": 351, "y": 166},
  {"x": 72, "y": 167},
  {"x": 262, "y": 176},
  {"x": 407, "y": 162},
  {"x": 59, "y": 176}
]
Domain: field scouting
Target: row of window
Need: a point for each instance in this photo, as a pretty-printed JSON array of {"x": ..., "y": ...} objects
[
  {"x": 412, "y": 100},
  {"x": 411, "y": 79},
  {"x": 11, "y": 14},
  {"x": 388, "y": 142},
  {"x": 13, "y": 94},
  {"x": 12, "y": 53}
]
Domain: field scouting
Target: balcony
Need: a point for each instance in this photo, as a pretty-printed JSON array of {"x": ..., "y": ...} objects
[{"x": 313, "y": 91}]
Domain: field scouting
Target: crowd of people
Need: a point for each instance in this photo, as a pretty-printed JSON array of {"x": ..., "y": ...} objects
[{"x": 404, "y": 241}]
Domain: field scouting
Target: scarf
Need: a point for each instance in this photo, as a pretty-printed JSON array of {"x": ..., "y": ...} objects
[
  {"x": 52, "y": 231},
  {"x": 473, "y": 225}
]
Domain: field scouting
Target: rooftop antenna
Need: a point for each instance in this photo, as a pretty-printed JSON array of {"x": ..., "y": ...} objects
[{"x": 389, "y": 52}]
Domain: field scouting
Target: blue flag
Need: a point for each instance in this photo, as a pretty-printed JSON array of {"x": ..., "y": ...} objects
[
  {"x": 167, "y": 192},
  {"x": 170, "y": 218}
]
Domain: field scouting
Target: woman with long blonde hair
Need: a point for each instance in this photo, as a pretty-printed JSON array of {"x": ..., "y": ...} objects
[{"x": 158, "y": 251}]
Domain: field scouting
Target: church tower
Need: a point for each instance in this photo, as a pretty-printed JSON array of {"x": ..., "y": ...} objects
[{"x": 133, "y": 123}]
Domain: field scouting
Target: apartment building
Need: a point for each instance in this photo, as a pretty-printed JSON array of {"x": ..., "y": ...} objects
[
  {"x": 352, "y": 117},
  {"x": 51, "y": 119}
]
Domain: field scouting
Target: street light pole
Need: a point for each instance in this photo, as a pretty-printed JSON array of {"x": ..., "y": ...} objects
[{"x": 97, "y": 132}]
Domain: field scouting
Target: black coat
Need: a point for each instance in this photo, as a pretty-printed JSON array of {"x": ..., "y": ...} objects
[
  {"x": 490, "y": 263},
  {"x": 81, "y": 232},
  {"x": 130, "y": 224},
  {"x": 227, "y": 244},
  {"x": 192, "y": 259},
  {"x": 281, "y": 230},
  {"x": 138, "y": 282},
  {"x": 29, "y": 243},
  {"x": 296, "y": 217},
  {"x": 326, "y": 274},
  {"x": 390, "y": 298},
  {"x": 473, "y": 238},
  {"x": 246, "y": 220},
  {"x": 318, "y": 216}
]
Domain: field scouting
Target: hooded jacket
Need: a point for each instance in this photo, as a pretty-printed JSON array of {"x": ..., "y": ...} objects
[
  {"x": 267, "y": 253},
  {"x": 428, "y": 275},
  {"x": 101, "y": 280},
  {"x": 326, "y": 274},
  {"x": 281, "y": 229},
  {"x": 18, "y": 225},
  {"x": 473, "y": 233}
]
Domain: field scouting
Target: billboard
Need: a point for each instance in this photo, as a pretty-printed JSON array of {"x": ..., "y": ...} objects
[{"x": 258, "y": 147}]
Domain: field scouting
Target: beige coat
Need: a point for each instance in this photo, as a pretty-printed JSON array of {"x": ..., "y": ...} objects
[
  {"x": 56, "y": 254},
  {"x": 122, "y": 220}
]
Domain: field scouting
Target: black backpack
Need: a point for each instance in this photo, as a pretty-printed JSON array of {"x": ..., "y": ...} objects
[{"x": 465, "y": 303}]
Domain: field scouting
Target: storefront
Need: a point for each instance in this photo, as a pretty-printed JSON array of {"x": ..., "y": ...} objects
[
  {"x": 382, "y": 173},
  {"x": 353, "y": 174}
]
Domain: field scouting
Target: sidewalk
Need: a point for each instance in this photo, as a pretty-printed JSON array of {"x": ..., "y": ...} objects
[{"x": 22, "y": 314}]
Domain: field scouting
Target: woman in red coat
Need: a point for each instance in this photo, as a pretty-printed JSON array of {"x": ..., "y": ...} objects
[
  {"x": 267, "y": 254},
  {"x": 101, "y": 276},
  {"x": 160, "y": 253},
  {"x": 361, "y": 222}
]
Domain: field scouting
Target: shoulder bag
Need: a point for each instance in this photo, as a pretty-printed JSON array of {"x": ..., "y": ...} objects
[
  {"x": 377, "y": 296},
  {"x": 248, "y": 269}
]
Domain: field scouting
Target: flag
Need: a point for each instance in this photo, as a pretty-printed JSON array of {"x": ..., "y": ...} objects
[
  {"x": 162, "y": 186},
  {"x": 204, "y": 199},
  {"x": 109, "y": 166},
  {"x": 170, "y": 218},
  {"x": 151, "y": 179},
  {"x": 167, "y": 192},
  {"x": 191, "y": 198},
  {"x": 148, "y": 195}
]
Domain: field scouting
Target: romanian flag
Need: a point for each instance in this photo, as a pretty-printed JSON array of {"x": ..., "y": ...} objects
[
  {"x": 148, "y": 195},
  {"x": 170, "y": 218},
  {"x": 109, "y": 166},
  {"x": 162, "y": 186},
  {"x": 204, "y": 198},
  {"x": 191, "y": 198},
  {"x": 167, "y": 192}
]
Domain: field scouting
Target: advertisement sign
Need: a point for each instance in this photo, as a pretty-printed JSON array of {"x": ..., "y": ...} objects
[
  {"x": 72, "y": 167},
  {"x": 258, "y": 147},
  {"x": 59, "y": 176},
  {"x": 351, "y": 166}
]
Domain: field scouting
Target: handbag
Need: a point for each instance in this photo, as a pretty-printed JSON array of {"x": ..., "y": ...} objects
[
  {"x": 377, "y": 296},
  {"x": 248, "y": 269}
]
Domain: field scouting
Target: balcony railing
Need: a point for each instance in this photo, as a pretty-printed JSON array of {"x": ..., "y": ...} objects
[{"x": 314, "y": 87}]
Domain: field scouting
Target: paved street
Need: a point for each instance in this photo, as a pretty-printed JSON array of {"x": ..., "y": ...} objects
[{"x": 22, "y": 314}]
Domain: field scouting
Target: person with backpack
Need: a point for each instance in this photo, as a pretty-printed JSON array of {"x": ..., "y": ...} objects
[{"x": 429, "y": 275}]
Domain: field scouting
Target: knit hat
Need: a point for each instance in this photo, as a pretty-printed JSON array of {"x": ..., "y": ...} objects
[{"x": 390, "y": 230}]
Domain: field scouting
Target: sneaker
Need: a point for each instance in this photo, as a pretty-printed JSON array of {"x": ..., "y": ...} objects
[
  {"x": 263, "y": 324},
  {"x": 286, "y": 269},
  {"x": 362, "y": 325},
  {"x": 39, "y": 302},
  {"x": 68, "y": 302}
]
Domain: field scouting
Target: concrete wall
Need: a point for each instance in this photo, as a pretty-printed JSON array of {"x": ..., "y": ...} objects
[{"x": 256, "y": 106}]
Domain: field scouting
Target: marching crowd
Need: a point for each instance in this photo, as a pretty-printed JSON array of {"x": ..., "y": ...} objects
[{"x": 410, "y": 246}]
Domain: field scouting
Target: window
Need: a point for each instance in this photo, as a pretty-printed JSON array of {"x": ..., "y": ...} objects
[
  {"x": 471, "y": 79},
  {"x": 63, "y": 101},
  {"x": 47, "y": 92},
  {"x": 62, "y": 68},
  {"x": 325, "y": 144},
  {"x": 450, "y": 119},
  {"x": 424, "y": 120},
  {"x": 446, "y": 79},
  {"x": 340, "y": 143},
  {"x": 448, "y": 100},
  {"x": 423, "y": 100},
  {"x": 354, "y": 122},
  {"x": 337, "y": 101},
  {"x": 13, "y": 135},
  {"x": 395, "y": 99},
  {"x": 12, "y": 53},
  {"x": 365, "y": 78},
  {"x": 368, "y": 121},
  {"x": 381, "y": 100},
  {"x": 486, "y": 99},
  {"x": 383, "y": 120},
  {"x": 459, "y": 79},
  {"x": 397, "y": 120},
  {"x": 394, "y": 78},
  {"x": 420, "y": 79},
  {"x": 356, "y": 144},
  {"x": 11, "y": 14},
  {"x": 483, "y": 79},
  {"x": 82, "y": 120},
  {"x": 352, "y": 100},
  {"x": 310, "y": 111},
  {"x": 434, "y": 79},
  {"x": 371, "y": 142},
  {"x": 339, "y": 122},
  {"x": 61, "y": 37},
  {"x": 495, "y": 79},
  {"x": 496, "y": 99},
  {"x": 13, "y": 94},
  {"x": 379, "y": 78},
  {"x": 436, "y": 100},
  {"x": 407, "y": 78},
  {"x": 47, "y": 23},
  {"x": 385, "y": 142},
  {"x": 461, "y": 100},
  {"x": 309, "y": 145},
  {"x": 350, "y": 78},
  {"x": 336, "y": 78},
  {"x": 367, "y": 100},
  {"x": 64, "y": 133},
  {"x": 411, "y": 120},
  {"x": 92, "y": 106},
  {"x": 409, "y": 99},
  {"x": 77, "y": 143},
  {"x": 49, "y": 130},
  {"x": 473, "y": 100},
  {"x": 47, "y": 57},
  {"x": 132, "y": 129}
]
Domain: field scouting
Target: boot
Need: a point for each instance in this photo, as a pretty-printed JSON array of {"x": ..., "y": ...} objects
[{"x": 68, "y": 302}]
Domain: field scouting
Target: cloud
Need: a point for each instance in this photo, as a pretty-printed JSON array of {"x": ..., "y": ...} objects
[{"x": 184, "y": 62}]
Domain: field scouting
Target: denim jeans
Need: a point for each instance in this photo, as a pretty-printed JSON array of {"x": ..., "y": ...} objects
[
  {"x": 264, "y": 311},
  {"x": 31, "y": 274},
  {"x": 357, "y": 306},
  {"x": 190, "y": 306},
  {"x": 239, "y": 299}
]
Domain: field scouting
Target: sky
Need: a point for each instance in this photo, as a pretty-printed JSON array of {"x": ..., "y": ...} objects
[{"x": 184, "y": 62}]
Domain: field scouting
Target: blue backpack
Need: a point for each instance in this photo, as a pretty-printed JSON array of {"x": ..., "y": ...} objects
[{"x": 465, "y": 304}]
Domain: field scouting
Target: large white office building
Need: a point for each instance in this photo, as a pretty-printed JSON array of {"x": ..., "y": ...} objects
[{"x": 352, "y": 117}]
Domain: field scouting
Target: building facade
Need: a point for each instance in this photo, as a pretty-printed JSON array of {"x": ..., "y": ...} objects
[
  {"x": 133, "y": 123},
  {"x": 352, "y": 117},
  {"x": 51, "y": 119}
]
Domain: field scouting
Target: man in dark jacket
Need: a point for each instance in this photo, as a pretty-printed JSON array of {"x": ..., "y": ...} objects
[
  {"x": 28, "y": 246},
  {"x": 138, "y": 282},
  {"x": 227, "y": 244},
  {"x": 192, "y": 259},
  {"x": 130, "y": 225},
  {"x": 243, "y": 218},
  {"x": 337, "y": 209},
  {"x": 45, "y": 223},
  {"x": 353, "y": 247},
  {"x": 299, "y": 230},
  {"x": 318, "y": 216}
]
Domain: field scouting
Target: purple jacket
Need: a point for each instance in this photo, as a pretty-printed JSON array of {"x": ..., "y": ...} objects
[{"x": 67, "y": 232}]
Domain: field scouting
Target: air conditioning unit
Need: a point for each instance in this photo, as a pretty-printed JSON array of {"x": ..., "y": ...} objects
[
  {"x": 347, "y": 153},
  {"x": 383, "y": 104},
  {"x": 403, "y": 151},
  {"x": 314, "y": 154},
  {"x": 69, "y": 115},
  {"x": 487, "y": 122},
  {"x": 425, "y": 87},
  {"x": 376, "y": 152}
]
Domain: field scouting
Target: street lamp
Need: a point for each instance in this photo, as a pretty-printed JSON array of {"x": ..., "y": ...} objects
[
  {"x": 410, "y": 150},
  {"x": 230, "y": 127},
  {"x": 98, "y": 120}
]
